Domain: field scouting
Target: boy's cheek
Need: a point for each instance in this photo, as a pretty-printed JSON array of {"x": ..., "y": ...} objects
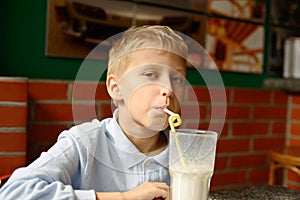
[
  {"x": 176, "y": 106},
  {"x": 179, "y": 95}
]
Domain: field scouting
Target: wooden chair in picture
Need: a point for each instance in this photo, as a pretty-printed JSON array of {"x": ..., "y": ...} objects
[{"x": 228, "y": 47}]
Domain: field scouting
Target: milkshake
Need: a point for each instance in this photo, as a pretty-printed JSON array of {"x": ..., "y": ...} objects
[
  {"x": 190, "y": 183},
  {"x": 191, "y": 163}
]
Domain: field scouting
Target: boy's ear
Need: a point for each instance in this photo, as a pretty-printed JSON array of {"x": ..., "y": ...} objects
[{"x": 112, "y": 87}]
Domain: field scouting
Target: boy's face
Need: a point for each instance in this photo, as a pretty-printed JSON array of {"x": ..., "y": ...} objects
[{"x": 152, "y": 81}]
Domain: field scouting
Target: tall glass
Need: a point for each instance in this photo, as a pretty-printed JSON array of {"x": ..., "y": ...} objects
[{"x": 192, "y": 159}]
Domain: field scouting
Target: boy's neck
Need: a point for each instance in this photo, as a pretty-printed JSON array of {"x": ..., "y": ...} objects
[
  {"x": 146, "y": 140},
  {"x": 149, "y": 146}
]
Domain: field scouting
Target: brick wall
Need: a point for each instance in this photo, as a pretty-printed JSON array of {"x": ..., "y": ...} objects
[
  {"x": 294, "y": 120},
  {"x": 51, "y": 110},
  {"x": 293, "y": 136},
  {"x": 13, "y": 123},
  {"x": 255, "y": 122}
]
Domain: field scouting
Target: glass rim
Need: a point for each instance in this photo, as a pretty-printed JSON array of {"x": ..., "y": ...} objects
[{"x": 194, "y": 131}]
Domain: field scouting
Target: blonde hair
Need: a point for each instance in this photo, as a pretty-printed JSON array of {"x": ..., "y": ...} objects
[{"x": 144, "y": 37}]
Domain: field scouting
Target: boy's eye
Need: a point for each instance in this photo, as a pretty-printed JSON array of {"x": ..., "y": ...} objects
[
  {"x": 151, "y": 75},
  {"x": 178, "y": 79}
]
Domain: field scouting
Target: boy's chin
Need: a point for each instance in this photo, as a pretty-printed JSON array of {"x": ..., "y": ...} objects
[{"x": 158, "y": 126}]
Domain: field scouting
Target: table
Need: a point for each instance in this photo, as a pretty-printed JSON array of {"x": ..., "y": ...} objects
[{"x": 267, "y": 192}]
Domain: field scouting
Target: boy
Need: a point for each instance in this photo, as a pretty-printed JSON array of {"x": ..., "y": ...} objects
[{"x": 124, "y": 157}]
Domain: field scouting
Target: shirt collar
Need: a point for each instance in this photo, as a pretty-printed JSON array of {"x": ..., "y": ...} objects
[
  {"x": 163, "y": 157},
  {"x": 128, "y": 151}
]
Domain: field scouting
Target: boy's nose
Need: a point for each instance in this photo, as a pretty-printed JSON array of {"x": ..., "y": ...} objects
[
  {"x": 167, "y": 92},
  {"x": 166, "y": 89}
]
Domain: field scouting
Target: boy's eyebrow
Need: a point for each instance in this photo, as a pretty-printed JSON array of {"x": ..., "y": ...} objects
[{"x": 178, "y": 69}]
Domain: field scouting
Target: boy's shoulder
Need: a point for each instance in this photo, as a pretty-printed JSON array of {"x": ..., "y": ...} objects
[
  {"x": 91, "y": 130},
  {"x": 92, "y": 127},
  {"x": 87, "y": 136}
]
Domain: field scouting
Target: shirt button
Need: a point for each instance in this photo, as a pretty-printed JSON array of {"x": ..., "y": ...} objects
[{"x": 148, "y": 163}]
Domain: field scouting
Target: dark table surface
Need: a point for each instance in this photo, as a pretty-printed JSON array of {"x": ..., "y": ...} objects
[{"x": 257, "y": 193}]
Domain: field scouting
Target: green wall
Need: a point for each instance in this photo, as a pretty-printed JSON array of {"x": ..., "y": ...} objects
[{"x": 23, "y": 49}]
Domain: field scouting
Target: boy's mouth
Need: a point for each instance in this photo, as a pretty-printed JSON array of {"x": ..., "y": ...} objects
[{"x": 161, "y": 108}]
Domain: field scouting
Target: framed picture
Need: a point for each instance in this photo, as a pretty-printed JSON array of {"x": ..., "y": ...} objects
[
  {"x": 75, "y": 27},
  {"x": 236, "y": 45},
  {"x": 251, "y": 10}
]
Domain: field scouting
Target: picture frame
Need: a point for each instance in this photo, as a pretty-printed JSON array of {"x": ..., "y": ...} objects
[
  {"x": 235, "y": 35},
  {"x": 75, "y": 27}
]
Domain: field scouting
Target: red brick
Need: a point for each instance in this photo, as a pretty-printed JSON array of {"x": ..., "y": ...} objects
[
  {"x": 250, "y": 128},
  {"x": 48, "y": 90},
  {"x": 194, "y": 125},
  {"x": 295, "y": 129},
  {"x": 232, "y": 145},
  {"x": 198, "y": 94},
  {"x": 226, "y": 178},
  {"x": 263, "y": 112},
  {"x": 90, "y": 91},
  {"x": 279, "y": 128},
  {"x": 280, "y": 97},
  {"x": 211, "y": 94},
  {"x": 9, "y": 163},
  {"x": 39, "y": 133},
  {"x": 102, "y": 93},
  {"x": 193, "y": 112},
  {"x": 64, "y": 112},
  {"x": 220, "y": 163},
  {"x": 31, "y": 153},
  {"x": 13, "y": 116},
  {"x": 10, "y": 142},
  {"x": 13, "y": 90},
  {"x": 294, "y": 142},
  {"x": 84, "y": 112},
  {"x": 218, "y": 112},
  {"x": 106, "y": 111},
  {"x": 295, "y": 99},
  {"x": 268, "y": 143},
  {"x": 38, "y": 150},
  {"x": 251, "y": 96},
  {"x": 219, "y": 95},
  {"x": 224, "y": 131},
  {"x": 238, "y": 112},
  {"x": 35, "y": 150},
  {"x": 248, "y": 160},
  {"x": 259, "y": 175},
  {"x": 296, "y": 113}
]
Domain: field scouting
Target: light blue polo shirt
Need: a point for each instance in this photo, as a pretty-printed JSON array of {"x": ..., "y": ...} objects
[{"x": 92, "y": 157}]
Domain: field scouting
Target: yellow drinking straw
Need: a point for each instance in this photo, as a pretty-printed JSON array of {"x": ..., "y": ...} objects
[{"x": 174, "y": 121}]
